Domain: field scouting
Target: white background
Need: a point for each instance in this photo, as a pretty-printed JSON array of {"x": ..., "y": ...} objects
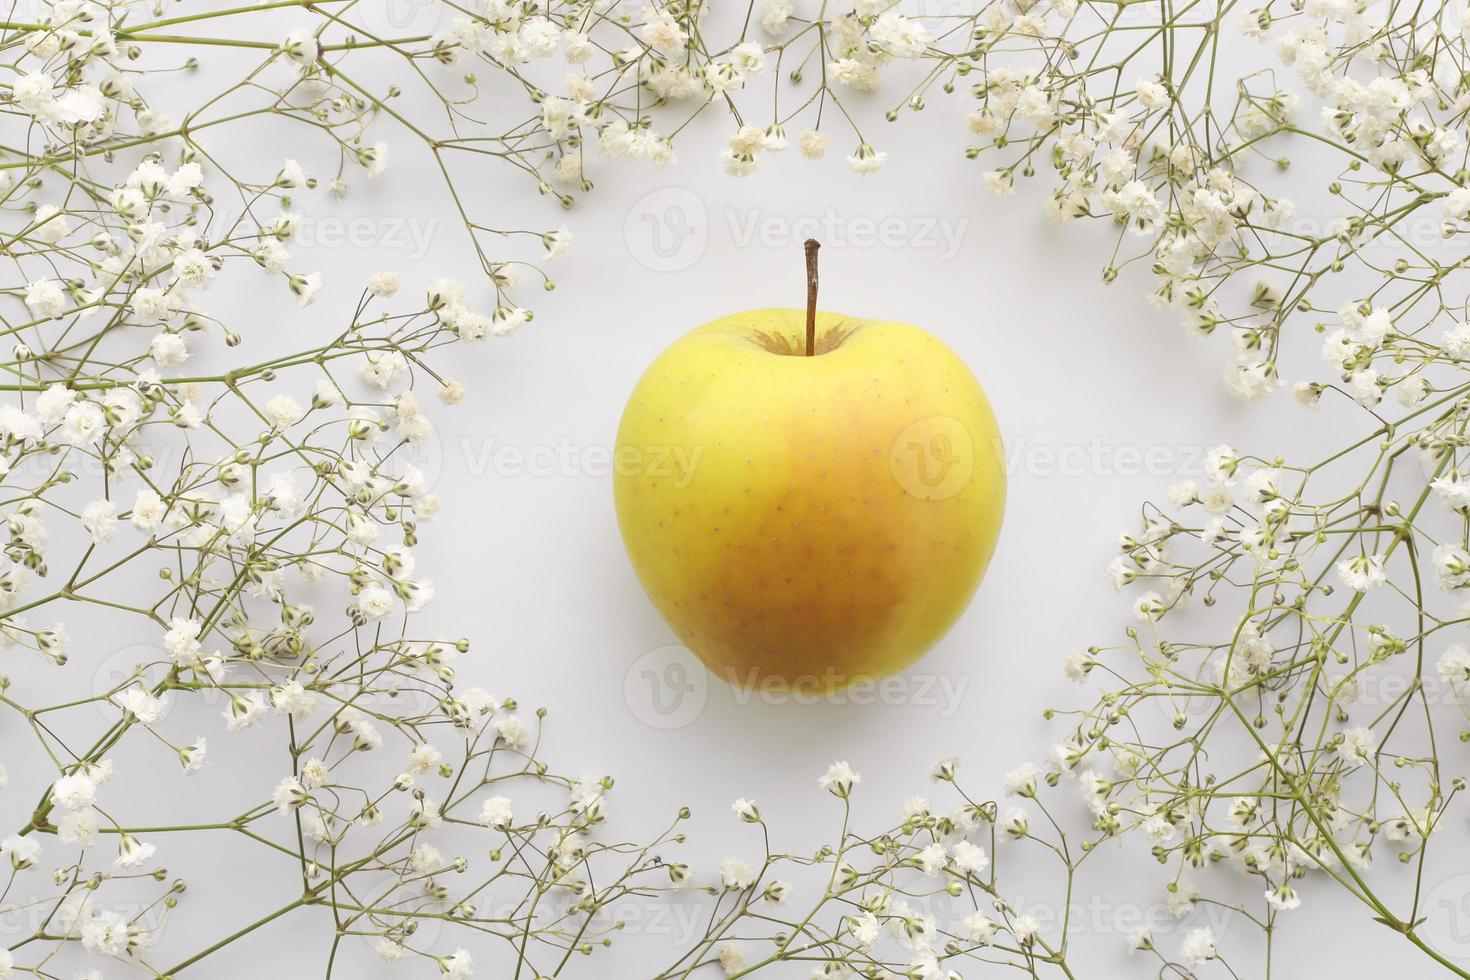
[{"x": 1103, "y": 402}]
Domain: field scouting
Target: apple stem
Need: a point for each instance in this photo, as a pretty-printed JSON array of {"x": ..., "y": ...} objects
[{"x": 811, "y": 295}]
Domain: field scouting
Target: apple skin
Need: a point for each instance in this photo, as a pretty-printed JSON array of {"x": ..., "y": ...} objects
[{"x": 813, "y": 521}]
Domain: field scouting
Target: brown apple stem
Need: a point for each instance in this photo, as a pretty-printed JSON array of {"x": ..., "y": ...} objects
[{"x": 811, "y": 295}]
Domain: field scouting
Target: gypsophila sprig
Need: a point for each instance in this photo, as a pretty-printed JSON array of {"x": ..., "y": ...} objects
[
  {"x": 258, "y": 520},
  {"x": 922, "y": 899},
  {"x": 1292, "y": 724}
]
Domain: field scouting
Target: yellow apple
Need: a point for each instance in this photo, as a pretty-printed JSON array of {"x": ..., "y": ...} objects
[{"x": 820, "y": 519}]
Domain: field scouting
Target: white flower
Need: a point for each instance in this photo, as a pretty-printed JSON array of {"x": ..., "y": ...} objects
[
  {"x": 100, "y": 520},
  {"x": 578, "y": 48},
  {"x": 143, "y": 705},
  {"x": 1457, "y": 341},
  {"x": 999, "y": 182},
  {"x": 301, "y": 47},
  {"x": 512, "y": 731},
  {"x": 16, "y": 424},
  {"x": 305, "y": 288},
  {"x": 1307, "y": 394},
  {"x": 735, "y": 874},
  {"x": 192, "y": 757},
  {"x": 383, "y": 369},
  {"x": 1198, "y": 946},
  {"x": 1454, "y": 665},
  {"x": 44, "y": 298},
  {"x": 187, "y": 178},
  {"x": 383, "y": 284},
  {"x": 451, "y": 392},
  {"x": 1221, "y": 464},
  {"x": 1260, "y": 486},
  {"x": 1412, "y": 390},
  {"x": 282, "y": 411},
  {"x": 980, "y": 928},
  {"x": 181, "y": 640},
  {"x": 899, "y": 36},
  {"x": 1149, "y": 607},
  {"x": 557, "y": 242},
  {"x": 104, "y": 932},
  {"x": 52, "y": 404},
  {"x": 147, "y": 510},
  {"x": 1366, "y": 387},
  {"x": 864, "y": 930},
  {"x": 1021, "y": 781},
  {"x": 293, "y": 699},
  {"x": 1356, "y": 746},
  {"x": 82, "y": 104},
  {"x": 457, "y": 966},
  {"x": 970, "y": 858},
  {"x": 83, "y": 423},
  {"x": 932, "y": 859},
  {"x": 74, "y": 791},
  {"x": 1362, "y": 572},
  {"x": 774, "y": 15},
  {"x": 1283, "y": 897},
  {"x": 23, "y": 852},
  {"x": 496, "y": 813},
  {"x": 32, "y": 91},
  {"x": 747, "y": 59},
  {"x": 739, "y": 163},
  {"x": 866, "y": 160},
  {"x": 290, "y": 175},
  {"x": 839, "y": 779},
  {"x": 1151, "y": 94},
  {"x": 289, "y": 794},
  {"x": 1077, "y": 666},
  {"x": 732, "y": 961},
  {"x": 50, "y": 224},
  {"x": 168, "y": 349},
  {"x": 131, "y": 852},
  {"x": 193, "y": 268},
  {"x": 374, "y": 602},
  {"x": 1251, "y": 381},
  {"x": 78, "y": 828},
  {"x": 662, "y": 32},
  {"x": 1184, "y": 494},
  {"x": 539, "y": 36},
  {"x": 1025, "y": 928},
  {"x": 1456, "y": 204},
  {"x": 813, "y": 144},
  {"x": 424, "y": 758},
  {"x": 241, "y": 712},
  {"x": 387, "y": 949}
]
